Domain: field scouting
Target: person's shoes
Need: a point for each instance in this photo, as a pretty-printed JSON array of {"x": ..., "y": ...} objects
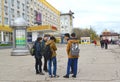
[
  {"x": 66, "y": 76},
  {"x": 37, "y": 72},
  {"x": 50, "y": 76},
  {"x": 74, "y": 76},
  {"x": 46, "y": 70},
  {"x": 41, "y": 73},
  {"x": 56, "y": 76}
]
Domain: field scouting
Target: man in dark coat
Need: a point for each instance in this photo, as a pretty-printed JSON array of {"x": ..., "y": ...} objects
[{"x": 38, "y": 56}]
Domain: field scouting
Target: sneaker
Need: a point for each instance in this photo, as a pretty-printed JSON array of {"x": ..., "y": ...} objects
[
  {"x": 74, "y": 76},
  {"x": 46, "y": 70},
  {"x": 37, "y": 72},
  {"x": 66, "y": 76},
  {"x": 50, "y": 76},
  {"x": 56, "y": 76},
  {"x": 41, "y": 73}
]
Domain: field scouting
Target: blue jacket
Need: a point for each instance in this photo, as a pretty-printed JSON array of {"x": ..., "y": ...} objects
[{"x": 38, "y": 50}]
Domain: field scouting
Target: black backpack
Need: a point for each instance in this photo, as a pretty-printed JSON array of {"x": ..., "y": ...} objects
[
  {"x": 32, "y": 50},
  {"x": 48, "y": 52}
]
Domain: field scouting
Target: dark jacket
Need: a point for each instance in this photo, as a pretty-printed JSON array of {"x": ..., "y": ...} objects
[
  {"x": 43, "y": 47},
  {"x": 38, "y": 50}
]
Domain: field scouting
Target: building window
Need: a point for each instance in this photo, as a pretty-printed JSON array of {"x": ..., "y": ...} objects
[
  {"x": 12, "y": 11},
  {"x": 23, "y": 15},
  {"x": 18, "y": 14},
  {"x": 6, "y": 21},
  {"x": 6, "y": 10},
  {"x": 27, "y": 2},
  {"x": 23, "y": 6},
  {"x": 6, "y": 1},
  {"x": 12, "y": 1},
  {"x": 18, "y": 4}
]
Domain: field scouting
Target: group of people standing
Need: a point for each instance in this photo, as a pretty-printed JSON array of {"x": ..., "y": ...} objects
[
  {"x": 40, "y": 51},
  {"x": 104, "y": 43}
]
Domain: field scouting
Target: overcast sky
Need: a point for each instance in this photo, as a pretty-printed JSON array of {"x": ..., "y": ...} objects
[{"x": 99, "y": 14}]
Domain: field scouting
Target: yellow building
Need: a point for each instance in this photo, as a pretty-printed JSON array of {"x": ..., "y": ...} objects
[{"x": 41, "y": 16}]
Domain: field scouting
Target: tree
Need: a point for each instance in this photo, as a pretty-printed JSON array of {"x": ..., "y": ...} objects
[{"x": 85, "y": 33}]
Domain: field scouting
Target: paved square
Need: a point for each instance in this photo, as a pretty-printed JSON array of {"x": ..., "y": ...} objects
[{"x": 95, "y": 65}]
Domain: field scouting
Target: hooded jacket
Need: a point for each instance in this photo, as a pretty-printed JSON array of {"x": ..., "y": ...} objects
[
  {"x": 72, "y": 40},
  {"x": 52, "y": 46}
]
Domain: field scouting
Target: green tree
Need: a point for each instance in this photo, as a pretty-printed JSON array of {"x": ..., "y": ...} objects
[{"x": 85, "y": 33}]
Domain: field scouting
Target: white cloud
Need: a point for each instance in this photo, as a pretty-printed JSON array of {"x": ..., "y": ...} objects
[{"x": 92, "y": 12}]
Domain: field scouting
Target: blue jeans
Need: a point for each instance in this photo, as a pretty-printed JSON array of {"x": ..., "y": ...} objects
[
  {"x": 53, "y": 60},
  {"x": 74, "y": 62}
]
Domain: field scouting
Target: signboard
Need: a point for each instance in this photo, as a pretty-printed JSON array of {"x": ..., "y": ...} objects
[
  {"x": 20, "y": 40},
  {"x": 85, "y": 40},
  {"x": 38, "y": 18}
]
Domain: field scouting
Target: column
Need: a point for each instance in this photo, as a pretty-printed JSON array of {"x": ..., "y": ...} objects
[{"x": 2, "y": 37}]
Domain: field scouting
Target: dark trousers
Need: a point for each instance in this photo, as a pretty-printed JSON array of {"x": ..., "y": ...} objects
[
  {"x": 38, "y": 65},
  {"x": 45, "y": 63},
  {"x": 73, "y": 61},
  {"x": 106, "y": 46}
]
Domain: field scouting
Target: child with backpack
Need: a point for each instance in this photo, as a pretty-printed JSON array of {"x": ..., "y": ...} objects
[
  {"x": 51, "y": 56},
  {"x": 73, "y": 54}
]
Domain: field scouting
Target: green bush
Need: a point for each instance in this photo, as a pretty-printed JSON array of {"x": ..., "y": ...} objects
[{"x": 5, "y": 44}]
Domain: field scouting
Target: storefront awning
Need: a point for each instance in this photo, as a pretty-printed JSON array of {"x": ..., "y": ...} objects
[
  {"x": 5, "y": 28},
  {"x": 45, "y": 28}
]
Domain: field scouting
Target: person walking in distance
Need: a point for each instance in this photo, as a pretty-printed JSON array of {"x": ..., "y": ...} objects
[
  {"x": 38, "y": 56},
  {"x": 102, "y": 43},
  {"x": 106, "y": 43},
  {"x": 73, "y": 54}
]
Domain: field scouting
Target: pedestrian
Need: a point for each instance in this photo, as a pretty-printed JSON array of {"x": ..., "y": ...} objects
[
  {"x": 45, "y": 39},
  {"x": 95, "y": 42},
  {"x": 106, "y": 43},
  {"x": 102, "y": 43},
  {"x": 67, "y": 37},
  {"x": 38, "y": 56},
  {"x": 73, "y": 54},
  {"x": 53, "y": 59}
]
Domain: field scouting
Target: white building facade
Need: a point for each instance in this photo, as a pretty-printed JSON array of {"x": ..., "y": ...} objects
[
  {"x": 35, "y": 12},
  {"x": 66, "y": 22}
]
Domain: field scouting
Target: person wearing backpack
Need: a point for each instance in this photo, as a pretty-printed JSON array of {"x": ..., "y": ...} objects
[
  {"x": 38, "y": 56},
  {"x": 67, "y": 37},
  {"x": 45, "y": 39},
  {"x": 73, "y": 54},
  {"x": 52, "y": 59}
]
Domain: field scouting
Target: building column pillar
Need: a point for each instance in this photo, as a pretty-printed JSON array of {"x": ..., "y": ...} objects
[{"x": 2, "y": 37}]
